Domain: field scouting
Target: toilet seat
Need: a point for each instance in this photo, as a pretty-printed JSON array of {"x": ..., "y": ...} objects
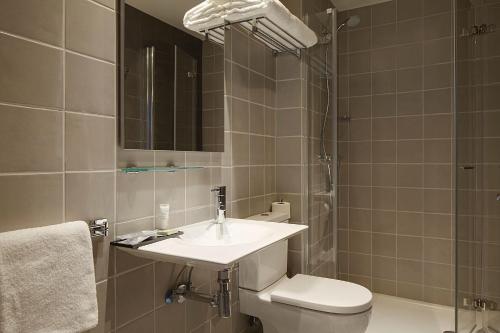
[{"x": 322, "y": 294}]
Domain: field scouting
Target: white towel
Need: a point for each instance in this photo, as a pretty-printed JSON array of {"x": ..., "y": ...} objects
[
  {"x": 47, "y": 282},
  {"x": 213, "y": 13}
]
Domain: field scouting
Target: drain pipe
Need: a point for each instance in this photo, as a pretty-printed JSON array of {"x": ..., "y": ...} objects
[
  {"x": 221, "y": 300},
  {"x": 224, "y": 297}
]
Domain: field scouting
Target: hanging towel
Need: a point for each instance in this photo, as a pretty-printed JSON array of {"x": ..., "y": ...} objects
[
  {"x": 213, "y": 13},
  {"x": 47, "y": 282}
]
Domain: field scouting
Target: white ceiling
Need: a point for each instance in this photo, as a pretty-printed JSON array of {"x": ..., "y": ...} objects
[
  {"x": 342, "y": 5},
  {"x": 169, "y": 11}
]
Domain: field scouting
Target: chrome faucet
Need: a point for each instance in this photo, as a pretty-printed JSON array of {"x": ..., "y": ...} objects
[{"x": 220, "y": 207}]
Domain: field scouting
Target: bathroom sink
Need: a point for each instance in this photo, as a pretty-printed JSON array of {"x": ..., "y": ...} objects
[
  {"x": 217, "y": 246},
  {"x": 232, "y": 232}
]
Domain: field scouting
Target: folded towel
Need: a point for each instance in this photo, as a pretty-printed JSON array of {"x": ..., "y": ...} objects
[
  {"x": 47, "y": 281},
  {"x": 213, "y": 13}
]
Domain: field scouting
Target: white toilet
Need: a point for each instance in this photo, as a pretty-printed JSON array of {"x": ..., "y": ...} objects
[{"x": 302, "y": 304}]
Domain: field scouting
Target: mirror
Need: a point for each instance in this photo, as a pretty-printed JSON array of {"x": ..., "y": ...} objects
[{"x": 171, "y": 80}]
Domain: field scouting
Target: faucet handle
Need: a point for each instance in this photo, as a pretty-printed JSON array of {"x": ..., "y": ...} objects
[{"x": 219, "y": 189}]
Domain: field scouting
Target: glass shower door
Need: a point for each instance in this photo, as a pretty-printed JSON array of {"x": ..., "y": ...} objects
[{"x": 478, "y": 165}]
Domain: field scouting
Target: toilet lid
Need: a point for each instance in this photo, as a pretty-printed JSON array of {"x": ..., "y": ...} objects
[{"x": 321, "y": 294}]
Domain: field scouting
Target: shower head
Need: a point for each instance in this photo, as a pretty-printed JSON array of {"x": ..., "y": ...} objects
[{"x": 350, "y": 22}]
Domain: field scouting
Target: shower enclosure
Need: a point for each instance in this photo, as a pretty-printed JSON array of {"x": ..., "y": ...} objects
[
  {"x": 320, "y": 73},
  {"x": 478, "y": 165}
]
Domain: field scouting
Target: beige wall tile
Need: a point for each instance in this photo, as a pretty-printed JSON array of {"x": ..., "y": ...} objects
[
  {"x": 384, "y": 128},
  {"x": 198, "y": 186},
  {"x": 90, "y": 142},
  {"x": 359, "y": 40},
  {"x": 438, "y": 201},
  {"x": 384, "y": 245},
  {"x": 383, "y": 221},
  {"x": 409, "y": 55},
  {"x": 410, "y": 79},
  {"x": 410, "y": 247},
  {"x": 384, "y": 35},
  {"x": 384, "y": 13},
  {"x": 359, "y": 62},
  {"x": 241, "y": 183},
  {"x": 438, "y": 26},
  {"x": 39, "y": 20},
  {"x": 384, "y": 82},
  {"x": 410, "y": 31},
  {"x": 438, "y": 250},
  {"x": 288, "y": 67},
  {"x": 288, "y": 151},
  {"x": 106, "y": 306},
  {"x": 384, "y": 268},
  {"x": 22, "y": 205},
  {"x": 31, "y": 138},
  {"x": 90, "y": 85},
  {"x": 91, "y": 29},
  {"x": 383, "y": 105},
  {"x": 144, "y": 324},
  {"x": 410, "y": 103},
  {"x": 410, "y": 223},
  {"x": 410, "y": 151},
  {"x": 134, "y": 294},
  {"x": 288, "y": 179},
  {"x": 288, "y": 94},
  {"x": 359, "y": 107},
  {"x": 410, "y": 271},
  {"x": 410, "y": 175},
  {"x": 24, "y": 80},
  {"x": 257, "y": 150},
  {"x": 408, "y": 9},
  {"x": 170, "y": 188},
  {"x": 257, "y": 119},
  {"x": 288, "y": 122},
  {"x": 90, "y": 196},
  {"x": 360, "y": 242},
  {"x": 360, "y": 85},
  {"x": 437, "y": 275},
  {"x": 134, "y": 196},
  {"x": 383, "y": 59}
]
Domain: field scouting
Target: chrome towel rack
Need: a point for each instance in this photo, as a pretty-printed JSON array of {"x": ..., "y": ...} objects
[
  {"x": 265, "y": 30},
  {"x": 99, "y": 228}
]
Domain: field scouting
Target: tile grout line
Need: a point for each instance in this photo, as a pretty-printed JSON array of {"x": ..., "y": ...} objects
[{"x": 64, "y": 110}]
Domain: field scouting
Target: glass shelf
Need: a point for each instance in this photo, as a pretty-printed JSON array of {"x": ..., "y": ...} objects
[{"x": 159, "y": 169}]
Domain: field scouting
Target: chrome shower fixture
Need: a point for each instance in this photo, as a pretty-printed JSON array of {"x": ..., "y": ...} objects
[{"x": 350, "y": 22}]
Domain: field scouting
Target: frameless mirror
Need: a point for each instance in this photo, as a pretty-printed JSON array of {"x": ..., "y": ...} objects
[{"x": 171, "y": 80}]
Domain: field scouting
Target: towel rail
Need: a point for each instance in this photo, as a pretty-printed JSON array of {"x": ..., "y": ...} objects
[
  {"x": 99, "y": 228},
  {"x": 265, "y": 30}
]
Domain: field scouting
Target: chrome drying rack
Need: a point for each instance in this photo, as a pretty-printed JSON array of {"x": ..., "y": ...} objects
[{"x": 265, "y": 30}]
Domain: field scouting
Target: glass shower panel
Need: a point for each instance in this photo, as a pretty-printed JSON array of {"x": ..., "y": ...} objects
[
  {"x": 321, "y": 104},
  {"x": 478, "y": 165}
]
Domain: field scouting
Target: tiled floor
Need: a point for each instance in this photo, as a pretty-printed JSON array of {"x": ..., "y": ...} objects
[{"x": 397, "y": 315}]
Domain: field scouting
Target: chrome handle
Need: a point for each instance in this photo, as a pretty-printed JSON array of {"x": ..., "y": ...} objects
[{"x": 99, "y": 228}]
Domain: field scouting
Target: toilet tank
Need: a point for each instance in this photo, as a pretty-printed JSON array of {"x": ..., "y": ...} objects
[{"x": 266, "y": 266}]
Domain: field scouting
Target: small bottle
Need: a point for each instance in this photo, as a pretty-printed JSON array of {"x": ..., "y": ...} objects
[{"x": 163, "y": 217}]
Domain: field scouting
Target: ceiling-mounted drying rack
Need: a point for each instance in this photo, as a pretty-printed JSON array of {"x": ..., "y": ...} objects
[{"x": 265, "y": 30}]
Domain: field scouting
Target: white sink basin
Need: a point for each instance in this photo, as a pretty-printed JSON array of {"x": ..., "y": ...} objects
[
  {"x": 216, "y": 246},
  {"x": 231, "y": 232}
]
